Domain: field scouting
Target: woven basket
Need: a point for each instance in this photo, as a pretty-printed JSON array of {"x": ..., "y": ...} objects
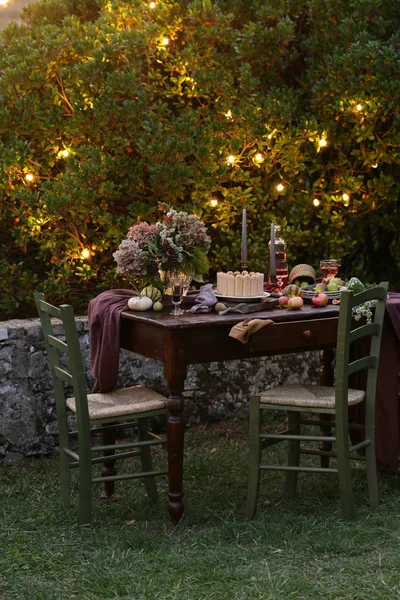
[{"x": 306, "y": 272}]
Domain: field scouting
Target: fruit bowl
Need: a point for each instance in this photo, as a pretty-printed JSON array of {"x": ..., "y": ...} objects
[{"x": 309, "y": 291}]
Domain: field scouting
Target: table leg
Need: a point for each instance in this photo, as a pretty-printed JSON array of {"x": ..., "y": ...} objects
[
  {"x": 326, "y": 375},
  {"x": 108, "y": 438},
  {"x": 175, "y": 371},
  {"x": 175, "y": 435}
]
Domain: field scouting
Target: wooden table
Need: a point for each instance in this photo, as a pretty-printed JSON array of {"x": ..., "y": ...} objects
[{"x": 202, "y": 338}]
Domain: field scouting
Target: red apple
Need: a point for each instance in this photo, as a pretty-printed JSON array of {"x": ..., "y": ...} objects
[
  {"x": 283, "y": 300},
  {"x": 320, "y": 299}
]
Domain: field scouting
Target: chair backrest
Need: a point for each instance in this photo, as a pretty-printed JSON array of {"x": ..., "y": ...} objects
[
  {"x": 348, "y": 333},
  {"x": 73, "y": 374}
]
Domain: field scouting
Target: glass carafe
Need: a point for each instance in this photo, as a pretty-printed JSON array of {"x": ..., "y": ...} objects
[{"x": 282, "y": 277}]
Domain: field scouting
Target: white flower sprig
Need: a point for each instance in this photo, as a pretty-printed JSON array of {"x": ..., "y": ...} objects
[{"x": 362, "y": 311}]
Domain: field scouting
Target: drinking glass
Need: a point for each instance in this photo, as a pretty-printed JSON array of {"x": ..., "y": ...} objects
[
  {"x": 329, "y": 267},
  {"x": 282, "y": 273},
  {"x": 176, "y": 284}
]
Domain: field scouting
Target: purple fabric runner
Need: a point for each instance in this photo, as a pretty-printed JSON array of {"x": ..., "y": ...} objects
[
  {"x": 387, "y": 393},
  {"x": 104, "y": 318}
]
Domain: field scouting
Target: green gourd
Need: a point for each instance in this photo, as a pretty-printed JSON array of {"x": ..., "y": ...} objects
[{"x": 152, "y": 292}]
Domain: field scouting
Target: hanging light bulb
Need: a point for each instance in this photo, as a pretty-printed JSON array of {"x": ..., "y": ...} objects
[
  {"x": 322, "y": 143},
  {"x": 228, "y": 114},
  {"x": 165, "y": 41},
  {"x": 85, "y": 253},
  {"x": 280, "y": 187},
  {"x": 316, "y": 202},
  {"x": 29, "y": 177},
  {"x": 214, "y": 202},
  {"x": 346, "y": 197},
  {"x": 231, "y": 159},
  {"x": 258, "y": 157},
  {"x": 359, "y": 107},
  {"x": 152, "y": 5},
  {"x": 65, "y": 153}
]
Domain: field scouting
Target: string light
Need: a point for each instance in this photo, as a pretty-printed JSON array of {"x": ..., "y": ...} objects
[
  {"x": 322, "y": 143},
  {"x": 280, "y": 187},
  {"x": 374, "y": 166},
  {"x": 214, "y": 202},
  {"x": 85, "y": 253},
  {"x": 3, "y": 2},
  {"x": 359, "y": 107},
  {"x": 231, "y": 159},
  {"x": 165, "y": 41},
  {"x": 29, "y": 177},
  {"x": 258, "y": 157},
  {"x": 316, "y": 202},
  {"x": 346, "y": 197},
  {"x": 152, "y": 5},
  {"x": 65, "y": 153},
  {"x": 228, "y": 114}
]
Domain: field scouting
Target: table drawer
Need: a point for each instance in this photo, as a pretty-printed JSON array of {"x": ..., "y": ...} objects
[{"x": 297, "y": 336}]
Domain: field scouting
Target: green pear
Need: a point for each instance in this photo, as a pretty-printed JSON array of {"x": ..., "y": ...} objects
[{"x": 320, "y": 287}]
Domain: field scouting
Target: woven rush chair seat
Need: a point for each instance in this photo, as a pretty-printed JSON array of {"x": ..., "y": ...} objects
[
  {"x": 123, "y": 402},
  {"x": 308, "y": 396}
]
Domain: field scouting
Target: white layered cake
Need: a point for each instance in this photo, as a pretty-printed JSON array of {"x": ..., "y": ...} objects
[{"x": 240, "y": 283}]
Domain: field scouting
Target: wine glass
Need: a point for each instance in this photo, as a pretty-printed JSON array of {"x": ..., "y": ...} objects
[
  {"x": 282, "y": 273},
  {"x": 329, "y": 268},
  {"x": 176, "y": 284}
]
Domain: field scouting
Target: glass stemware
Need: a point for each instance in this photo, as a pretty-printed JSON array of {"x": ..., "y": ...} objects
[
  {"x": 176, "y": 284},
  {"x": 330, "y": 267}
]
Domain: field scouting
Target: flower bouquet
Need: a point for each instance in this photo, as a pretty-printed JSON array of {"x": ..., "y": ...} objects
[{"x": 178, "y": 242}]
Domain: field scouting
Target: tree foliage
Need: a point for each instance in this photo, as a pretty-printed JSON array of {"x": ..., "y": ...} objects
[{"x": 110, "y": 107}]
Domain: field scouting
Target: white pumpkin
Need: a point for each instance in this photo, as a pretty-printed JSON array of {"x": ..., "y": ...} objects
[{"x": 140, "y": 303}]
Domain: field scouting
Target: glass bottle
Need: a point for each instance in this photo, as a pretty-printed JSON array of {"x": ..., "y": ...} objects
[
  {"x": 280, "y": 280},
  {"x": 280, "y": 244}
]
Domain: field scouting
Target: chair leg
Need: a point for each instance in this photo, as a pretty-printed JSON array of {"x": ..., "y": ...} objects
[
  {"x": 293, "y": 453},
  {"x": 147, "y": 463},
  {"x": 64, "y": 481},
  {"x": 370, "y": 454},
  {"x": 255, "y": 458},
  {"x": 85, "y": 491},
  {"x": 345, "y": 483}
]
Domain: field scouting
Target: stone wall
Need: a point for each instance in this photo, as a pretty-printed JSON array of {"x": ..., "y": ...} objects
[{"x": 213, "y": 391}]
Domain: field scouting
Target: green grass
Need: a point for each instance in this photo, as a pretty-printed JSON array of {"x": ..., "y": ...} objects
[{"x": 296, "y": 548}]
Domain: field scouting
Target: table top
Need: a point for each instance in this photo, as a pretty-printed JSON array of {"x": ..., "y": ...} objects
[{"x": 192, "y": 320}]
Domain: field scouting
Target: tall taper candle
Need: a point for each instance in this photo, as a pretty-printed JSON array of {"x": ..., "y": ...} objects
[
  {"x": 244, "y": 236},
  {"x": 272, "y": 259}
]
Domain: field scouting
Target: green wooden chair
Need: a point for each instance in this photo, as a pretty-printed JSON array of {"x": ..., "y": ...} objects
[
  {"x": 297, "y": 399},
  {"x": 104, "y": 414}
]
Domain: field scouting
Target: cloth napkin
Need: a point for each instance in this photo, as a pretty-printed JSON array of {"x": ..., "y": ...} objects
[
  {"x": 242, "y": 331},
  {"x": 205, "y": 301},
  {"x": 244, "y": 308}
]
